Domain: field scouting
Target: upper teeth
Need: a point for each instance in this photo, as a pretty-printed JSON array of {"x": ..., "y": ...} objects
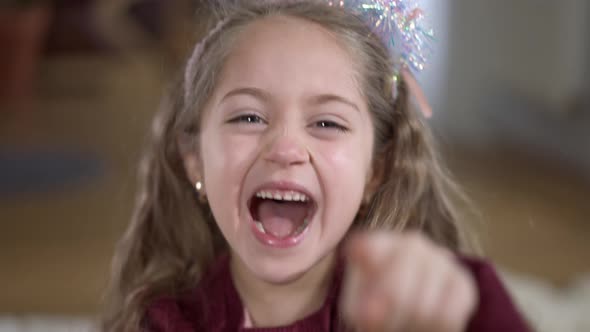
[{"x": 279, "y": 195}]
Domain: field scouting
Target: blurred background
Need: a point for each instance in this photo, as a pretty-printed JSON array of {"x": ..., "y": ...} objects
[{"x": 81, "y": 79}]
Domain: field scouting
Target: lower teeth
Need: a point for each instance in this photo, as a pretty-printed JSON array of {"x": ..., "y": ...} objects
[
  {"x": 299, "y": 229},
  {"x": 303, "y": 226},
  {"x": 260, "y": 227}
]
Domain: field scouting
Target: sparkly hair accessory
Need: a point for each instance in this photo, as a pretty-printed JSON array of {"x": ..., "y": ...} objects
[{"x": 401, "y": 26}]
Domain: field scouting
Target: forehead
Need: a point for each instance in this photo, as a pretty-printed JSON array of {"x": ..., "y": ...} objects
[{"x": 287, "y": 56}]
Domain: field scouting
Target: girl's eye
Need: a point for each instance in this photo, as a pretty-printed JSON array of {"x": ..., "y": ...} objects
[
  {"x": 247, "y": 118},
  {"x": 330, "y": 125}
]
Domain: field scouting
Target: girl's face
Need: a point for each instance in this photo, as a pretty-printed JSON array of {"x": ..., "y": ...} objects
[{"x": 286, "y": 145}]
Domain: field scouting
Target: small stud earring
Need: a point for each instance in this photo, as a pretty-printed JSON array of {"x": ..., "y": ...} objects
[{"x": 201, "y": 196}]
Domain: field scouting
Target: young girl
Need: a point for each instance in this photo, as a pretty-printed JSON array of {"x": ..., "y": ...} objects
[{"x": 289, "y": 187}]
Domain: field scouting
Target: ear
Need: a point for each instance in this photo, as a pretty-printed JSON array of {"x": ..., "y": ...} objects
[
  {"x": 190, "y": 158},
  {"x": 192, "y": 167}
]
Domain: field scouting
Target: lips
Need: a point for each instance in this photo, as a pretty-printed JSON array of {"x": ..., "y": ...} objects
[{"x": 281, "y": 213}]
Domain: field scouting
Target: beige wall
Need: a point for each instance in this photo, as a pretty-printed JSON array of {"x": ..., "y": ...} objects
[{"x": 534, "y": 47}]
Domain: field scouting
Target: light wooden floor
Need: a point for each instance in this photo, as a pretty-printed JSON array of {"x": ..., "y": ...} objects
[{"x": 55, "y": 248}]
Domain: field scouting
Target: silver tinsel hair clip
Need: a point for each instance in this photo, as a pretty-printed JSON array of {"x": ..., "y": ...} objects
[{"x": 401, "y": 26}]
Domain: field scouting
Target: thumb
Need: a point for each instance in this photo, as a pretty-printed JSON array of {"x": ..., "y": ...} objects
[
  {"x": 364, "y": 306},
  {"x": 358, "y": 253},
  {"x": 370, "y": 252}
]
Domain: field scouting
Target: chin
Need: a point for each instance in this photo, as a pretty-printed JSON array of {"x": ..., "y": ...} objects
[
  {"x": 279, "y": 270},
  {"x": 282, "y": 269}
]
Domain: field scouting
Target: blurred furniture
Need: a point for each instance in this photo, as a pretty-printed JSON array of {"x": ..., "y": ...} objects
[
  {"x": 22, "y": 35},
  {"x": 75, "y": 29}
]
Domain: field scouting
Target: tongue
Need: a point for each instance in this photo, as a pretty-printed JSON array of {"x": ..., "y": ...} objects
[{"x": 281, "y": 219}]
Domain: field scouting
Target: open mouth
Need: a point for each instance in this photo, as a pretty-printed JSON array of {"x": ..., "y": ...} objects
[{"x": 281, "y": 215}]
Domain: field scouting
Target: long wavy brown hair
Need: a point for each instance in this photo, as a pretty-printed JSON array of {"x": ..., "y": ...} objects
[{"x": 172, "y": 237}]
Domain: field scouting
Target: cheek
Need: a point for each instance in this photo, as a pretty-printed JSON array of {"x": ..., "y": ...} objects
[
  {"x": 344, "y": 169},
  {"x": 226, "y": 159}
]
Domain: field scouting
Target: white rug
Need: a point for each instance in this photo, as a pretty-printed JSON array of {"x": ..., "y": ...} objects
[
  {"x": 45, "y": 324},
  {"x": 551, "y": 309}
]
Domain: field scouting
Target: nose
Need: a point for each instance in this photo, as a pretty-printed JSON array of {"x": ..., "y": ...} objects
[{"x": 286, "y": 150}]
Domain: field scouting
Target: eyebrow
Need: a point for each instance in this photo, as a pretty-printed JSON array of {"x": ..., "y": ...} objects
[
  {"x": 265, "y": 96},
  {"x": 328, "y": 98},
  {"x": 254, "y": 92}
]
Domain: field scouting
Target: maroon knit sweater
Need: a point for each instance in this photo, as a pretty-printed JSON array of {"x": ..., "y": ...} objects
[{"x": 215, "y": 306}]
